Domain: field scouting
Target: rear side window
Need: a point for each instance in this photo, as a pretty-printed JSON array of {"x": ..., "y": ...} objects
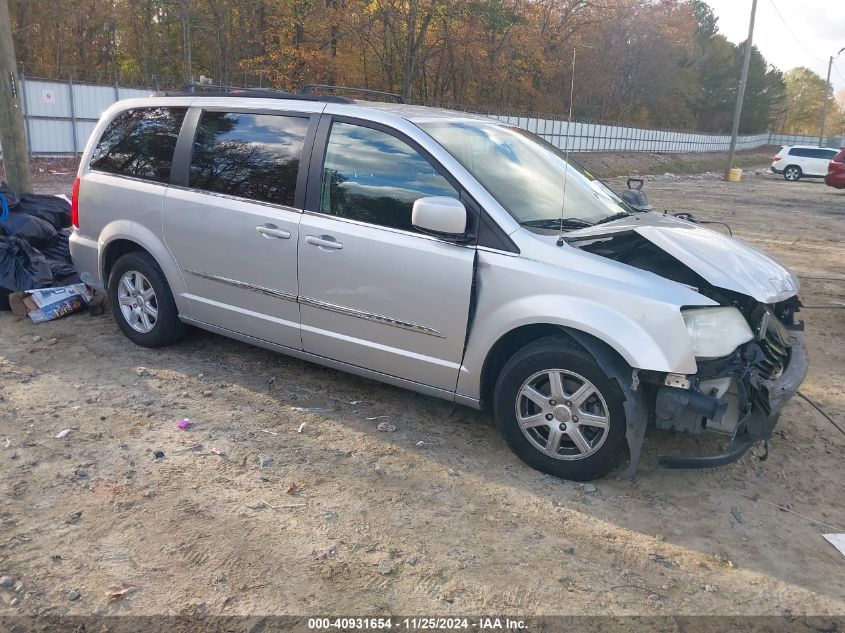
[
  {"x": 254, "y": 156},
  {"x": 810, "y": 152},
  {"x": 373, "y": 177},
  {"x": 140, "y": 143}
]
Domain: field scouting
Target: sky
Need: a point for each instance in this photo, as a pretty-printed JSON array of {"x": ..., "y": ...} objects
[{"x": 817, "y": 32}]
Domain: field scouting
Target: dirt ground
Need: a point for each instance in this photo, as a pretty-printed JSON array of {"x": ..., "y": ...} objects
[{"x": 245, "y": 514}]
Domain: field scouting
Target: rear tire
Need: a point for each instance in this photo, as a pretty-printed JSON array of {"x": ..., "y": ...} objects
[
  {"x": 142, "y": 303},
  {"x": 573, "y": 427},
  {"x": 792, "y": 173}
]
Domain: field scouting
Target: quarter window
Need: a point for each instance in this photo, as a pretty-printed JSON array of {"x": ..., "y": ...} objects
[
  {"x": 140, "y": 143},
  {"x": 373, "y": 177},
  {"x": 254, "y": 156}
]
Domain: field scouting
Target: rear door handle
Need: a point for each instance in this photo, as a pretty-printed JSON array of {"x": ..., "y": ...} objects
[
  {"x": 271, "y": 231},
  {"x": 323, "y": 241}
]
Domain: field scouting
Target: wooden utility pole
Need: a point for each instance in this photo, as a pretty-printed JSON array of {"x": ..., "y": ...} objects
[
  {"x": 12, "y": 134},
  {"x": 741, "y": 93},
  {"x": 827, "y": 87}
]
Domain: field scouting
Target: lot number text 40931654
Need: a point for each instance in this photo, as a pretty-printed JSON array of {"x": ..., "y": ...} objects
[{"x": 416, "y": 624}]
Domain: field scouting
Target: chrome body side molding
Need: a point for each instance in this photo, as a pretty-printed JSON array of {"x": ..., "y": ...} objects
[
  {"x": 242, "y": 284},
  {"x": 405, "y": 325}
]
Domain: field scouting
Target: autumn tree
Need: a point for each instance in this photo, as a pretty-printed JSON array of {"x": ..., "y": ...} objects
[
  {"x": 647, "y": 62},
  {"x": 805, "y": 95}
]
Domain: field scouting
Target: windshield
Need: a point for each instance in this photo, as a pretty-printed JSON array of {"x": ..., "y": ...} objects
[{"x": 526, "y": 174}]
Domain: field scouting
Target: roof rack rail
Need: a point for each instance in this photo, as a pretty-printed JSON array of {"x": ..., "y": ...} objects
[
  {"x": 237, "y": 91},
  {"x": 309, "y": 89}
]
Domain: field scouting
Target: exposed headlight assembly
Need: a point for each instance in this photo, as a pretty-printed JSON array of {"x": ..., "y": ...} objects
[{"x": 716, "y": 332}]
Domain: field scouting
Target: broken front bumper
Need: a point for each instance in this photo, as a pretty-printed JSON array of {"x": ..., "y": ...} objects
[{"x": 763, "y": 398}]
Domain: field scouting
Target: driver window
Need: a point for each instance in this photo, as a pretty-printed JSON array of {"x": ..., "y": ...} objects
[{"x": 373, "y": 177}]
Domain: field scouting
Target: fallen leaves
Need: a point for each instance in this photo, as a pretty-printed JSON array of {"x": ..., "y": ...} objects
[{"x": 118, "y": 592}]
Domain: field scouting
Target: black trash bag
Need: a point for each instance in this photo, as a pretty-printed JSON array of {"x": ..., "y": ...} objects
[
  {"x": 21, "y": 266},
  {"x": 39, "y": 233},
  {"x": 53, "y": 209},
  {"x": 11, "y": 197},
  {"x": 58, "y": 255}
]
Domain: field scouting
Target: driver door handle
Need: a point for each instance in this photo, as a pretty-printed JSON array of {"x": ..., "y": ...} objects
[
  {"x": 323, "y": 241},
  {"x": 271, "y": 231}
]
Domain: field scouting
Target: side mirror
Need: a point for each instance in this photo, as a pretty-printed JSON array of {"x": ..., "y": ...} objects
[{"x": 440, "y": 215}]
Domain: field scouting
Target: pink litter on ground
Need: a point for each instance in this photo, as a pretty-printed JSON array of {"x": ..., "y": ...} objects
[{"x": 184, "y": 424}]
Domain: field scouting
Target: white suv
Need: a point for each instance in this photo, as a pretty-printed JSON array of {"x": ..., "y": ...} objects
[
  {"x": 444, "y": 252},
  {"x": 802, "y": 161}
]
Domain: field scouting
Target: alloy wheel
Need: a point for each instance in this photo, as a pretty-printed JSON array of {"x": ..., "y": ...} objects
[
  {"x": 562, "y": 414},
  {"x": 138, "y": 302}
]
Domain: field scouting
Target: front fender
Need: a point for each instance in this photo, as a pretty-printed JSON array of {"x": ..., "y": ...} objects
[
  {"x": 647, "y": 331},
  {"x": 658, "y": 343}
]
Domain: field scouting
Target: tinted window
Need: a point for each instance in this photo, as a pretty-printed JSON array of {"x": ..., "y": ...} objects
[
  {"x": 140, "y": 143},
  {"x": 374, "y": 177},
  {"x": 809, "y": 152},
  {"x": 253, "y": 156}
]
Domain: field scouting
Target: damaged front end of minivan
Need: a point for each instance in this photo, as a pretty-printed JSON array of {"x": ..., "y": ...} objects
[{"x": 752, "y": 359}]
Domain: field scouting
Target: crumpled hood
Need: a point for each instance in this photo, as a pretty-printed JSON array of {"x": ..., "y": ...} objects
[{"x": 721, "y": 260}]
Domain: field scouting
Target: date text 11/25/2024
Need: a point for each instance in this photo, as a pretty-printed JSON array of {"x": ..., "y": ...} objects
[{"x": 416, "y": 624}]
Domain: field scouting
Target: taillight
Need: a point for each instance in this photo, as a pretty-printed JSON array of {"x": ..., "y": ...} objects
[
  {"x": 776, "y": 158},
  {"x": 74, "y": 204}
]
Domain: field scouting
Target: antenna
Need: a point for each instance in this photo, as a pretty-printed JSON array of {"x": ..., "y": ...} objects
[{"x": 566, "y": 151}]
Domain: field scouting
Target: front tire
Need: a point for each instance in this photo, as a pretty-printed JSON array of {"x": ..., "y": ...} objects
[
  {"x": 559, "y": 412},
  {"x": 792, "y": 173},
  {"x": 142, "y": 303}
]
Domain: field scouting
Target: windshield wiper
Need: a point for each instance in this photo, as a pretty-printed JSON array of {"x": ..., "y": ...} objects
[
  {"x": 557, "y": 223},
  {"x": 615, "y": 216}
]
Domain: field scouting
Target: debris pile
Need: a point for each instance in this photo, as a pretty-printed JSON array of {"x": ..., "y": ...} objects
[
  {"x": 34, "y": 249},
  {"x": 35, "y": 255}
]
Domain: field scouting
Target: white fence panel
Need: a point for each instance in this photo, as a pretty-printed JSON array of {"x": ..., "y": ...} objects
[{"x": 60, "y": 116}]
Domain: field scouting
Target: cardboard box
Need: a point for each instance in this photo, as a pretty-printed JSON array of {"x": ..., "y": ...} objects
[{"x": 48, "y": 304}]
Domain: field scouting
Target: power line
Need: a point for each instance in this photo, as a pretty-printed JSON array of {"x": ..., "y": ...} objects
[
  {"x": 837, "y": 72},
  {"x": 795, "y": 37}
]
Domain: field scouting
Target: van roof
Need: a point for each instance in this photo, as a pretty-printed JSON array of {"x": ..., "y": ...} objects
[{"x": 413, "y": 113}]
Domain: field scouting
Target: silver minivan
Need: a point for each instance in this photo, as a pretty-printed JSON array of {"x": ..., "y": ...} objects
[{"x": 452, "y": 254}]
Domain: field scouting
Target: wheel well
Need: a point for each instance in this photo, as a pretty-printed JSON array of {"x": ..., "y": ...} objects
[
  {"x": 114, "y": 251},
  {"x": 506, "y": 347},
  {"x": 518, "y": 338}
]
